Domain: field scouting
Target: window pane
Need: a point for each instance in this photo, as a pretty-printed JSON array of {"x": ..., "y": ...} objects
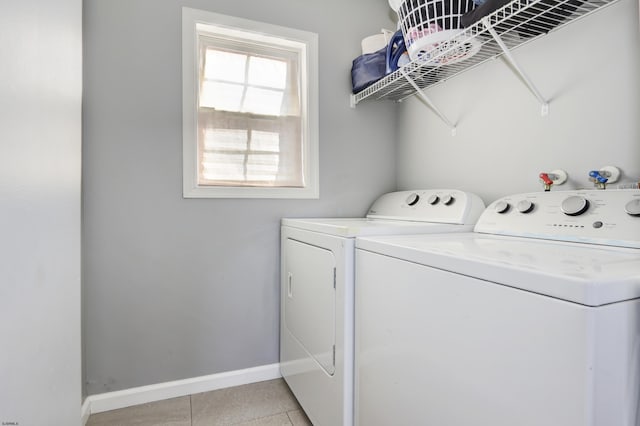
[
  {"x": 222, "y": 96},
  {"x": 225, "y": 139},
  {"x": 267, "y": 72},
  {"x": 265, "y": 141},
  {"x": 263, "y": 101},
  {"x": 226, "y": 66}
]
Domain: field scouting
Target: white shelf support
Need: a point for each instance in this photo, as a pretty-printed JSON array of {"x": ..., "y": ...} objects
[
  {"x": 512, "y": 61},
  {"x": 428, "y": 101}
]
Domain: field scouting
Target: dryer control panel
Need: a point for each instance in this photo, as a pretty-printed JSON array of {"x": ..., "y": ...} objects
[
  {"x": 610, "y": 217},
  {"x": 428, "y": 205}
]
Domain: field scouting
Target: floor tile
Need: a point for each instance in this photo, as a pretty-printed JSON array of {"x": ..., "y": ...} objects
[
  {"x": 169, "y": 412},
  {"x": 299, "y": 418},
  {"x": 242, "y": 403},
  {"x": 278, "y": 420}
]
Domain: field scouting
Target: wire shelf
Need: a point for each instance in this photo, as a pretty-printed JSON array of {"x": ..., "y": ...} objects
[{"x": 513, "y": 25}]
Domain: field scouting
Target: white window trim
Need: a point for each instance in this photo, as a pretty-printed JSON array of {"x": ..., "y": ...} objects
[{"x": 309, "y": 71}]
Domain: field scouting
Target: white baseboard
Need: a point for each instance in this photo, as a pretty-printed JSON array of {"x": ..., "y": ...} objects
[
  {"x": 85, "y": 411},
  {"x": 143, "y": 394}
]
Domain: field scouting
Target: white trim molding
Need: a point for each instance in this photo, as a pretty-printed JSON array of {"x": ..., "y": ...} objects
[
  {"x": 197, "y": 22},
  {"x": 144, "y": 394},
  {"x": 85, "y": 412}
]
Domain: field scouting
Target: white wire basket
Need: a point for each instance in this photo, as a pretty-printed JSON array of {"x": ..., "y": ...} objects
[{"x": 432, "y": 32}]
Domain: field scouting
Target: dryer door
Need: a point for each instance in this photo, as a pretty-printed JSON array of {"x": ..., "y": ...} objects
[{"x": 310, "y": 300}]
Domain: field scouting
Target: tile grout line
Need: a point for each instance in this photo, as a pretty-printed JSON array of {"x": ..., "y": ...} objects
[
  {"x": 286, "y": 413},
  {"x": 190, "y": 411}
]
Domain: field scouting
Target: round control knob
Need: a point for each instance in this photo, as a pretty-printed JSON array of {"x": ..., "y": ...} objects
[
  {"x": 574, "y": 205},
  {"x": 633, "y": 207},
  {"x": 502, "y": 207},
  {"x": 413, "y": 199},
  {"x": 448, "y": 200},
  {"x": 433, "y": 199},
  {"x": 524, "y": 206}
]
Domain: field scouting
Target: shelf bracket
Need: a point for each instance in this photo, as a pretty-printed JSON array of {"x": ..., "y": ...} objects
[
  {"x": 511, "y": 60},
  {"x": 431, "y": 105}
]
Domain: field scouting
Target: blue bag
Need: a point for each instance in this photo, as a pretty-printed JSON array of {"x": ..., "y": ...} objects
[
  {"x": 371, "y": 67},
  {"x": 367, "y": 69}
]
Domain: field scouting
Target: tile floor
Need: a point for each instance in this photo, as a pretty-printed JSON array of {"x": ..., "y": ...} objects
[{"x": 268, "y": 403}]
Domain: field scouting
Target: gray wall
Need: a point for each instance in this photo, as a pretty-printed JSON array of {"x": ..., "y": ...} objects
[
  {"x": 589, "y": 70},
  {"x": 177, "y": 288},
  {"x": 40, "y": 153}
]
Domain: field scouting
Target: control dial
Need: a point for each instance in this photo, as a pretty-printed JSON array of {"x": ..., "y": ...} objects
[
  {"x": 524, "y": 206},
  {"x": 448, "y": 200},
  {"x": 412, "y": 199},
  {"x": 502, "y": 207},
  {"x": 574, "y": 205},
  {"x": 433, "y": 199},
  {"x": 633, "y": 207}
]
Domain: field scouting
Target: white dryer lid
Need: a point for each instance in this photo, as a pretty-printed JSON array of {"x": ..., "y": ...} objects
[
  {"x": 586, "y": 274},
  {"x": 355, "y": 227}
]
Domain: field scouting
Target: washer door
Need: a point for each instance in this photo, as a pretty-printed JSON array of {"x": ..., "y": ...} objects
[{"x": 310, "y": 300}]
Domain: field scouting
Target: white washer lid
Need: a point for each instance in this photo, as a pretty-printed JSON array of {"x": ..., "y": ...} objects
[
  {"x": 586, "y": 274},
  {"x": 354, "y": 227}
]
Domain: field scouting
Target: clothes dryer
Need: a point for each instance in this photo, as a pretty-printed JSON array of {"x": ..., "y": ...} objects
[
  {"x": 317, "y": 300},
  {"x": 531, "y": 320}
]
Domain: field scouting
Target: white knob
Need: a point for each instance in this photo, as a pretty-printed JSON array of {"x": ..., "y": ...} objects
[
  {"x": 524, "y": 206},
  {"x": 412, "y": 199},
  {"x": 502, "y": 207},
  {"x": 574, "y": 205},
  {"x": 633, "y": 207},
  {"x": 433, "y": 199},
  {"x": 448, "y": 199}
]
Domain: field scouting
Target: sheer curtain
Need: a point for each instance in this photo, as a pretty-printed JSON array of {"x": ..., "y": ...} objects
[{"x": 242, "y": 149}]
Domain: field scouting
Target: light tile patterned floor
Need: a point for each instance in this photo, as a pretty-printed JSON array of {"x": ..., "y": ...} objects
[{"x": 268, "y": 403}]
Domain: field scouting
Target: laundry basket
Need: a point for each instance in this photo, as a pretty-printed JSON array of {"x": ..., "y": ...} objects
[{"x": 432, "y": 31}]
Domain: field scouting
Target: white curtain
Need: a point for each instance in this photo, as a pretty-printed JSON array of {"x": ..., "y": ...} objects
[{"x": 242, "y": 149}]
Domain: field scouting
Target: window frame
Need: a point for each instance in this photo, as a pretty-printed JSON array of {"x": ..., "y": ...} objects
[{"x": 191, "y": 19}]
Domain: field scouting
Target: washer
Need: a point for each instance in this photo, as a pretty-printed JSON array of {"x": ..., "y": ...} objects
[
  {"x": 317, "y": 301},
  {"x": 531, "y": 320}
]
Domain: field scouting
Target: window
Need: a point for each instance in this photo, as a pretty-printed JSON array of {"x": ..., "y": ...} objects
[{"x": 250, "y": 116}]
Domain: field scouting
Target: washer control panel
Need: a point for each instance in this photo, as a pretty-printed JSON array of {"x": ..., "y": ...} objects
[
  {"x": 429, "y": 205},
  {"x": 609, "y": 217}
]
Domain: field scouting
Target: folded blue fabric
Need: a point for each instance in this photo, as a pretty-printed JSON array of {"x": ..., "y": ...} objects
[{"x": 367, "y": 69}]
